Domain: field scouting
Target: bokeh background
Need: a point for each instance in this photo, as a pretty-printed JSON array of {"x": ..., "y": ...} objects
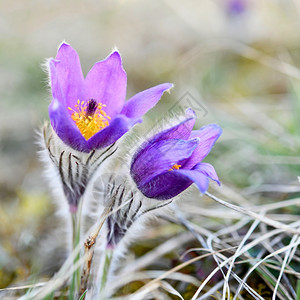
[{"x": 238, "y": 59}]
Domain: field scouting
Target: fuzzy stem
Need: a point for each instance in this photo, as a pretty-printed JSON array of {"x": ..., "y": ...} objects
[
  {"x": 75, "y": 281},
  {"x": 106, "y": 269}
]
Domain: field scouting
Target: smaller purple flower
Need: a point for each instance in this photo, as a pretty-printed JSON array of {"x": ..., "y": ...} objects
[
  {"x": 236, "y": 7},
  {"x": 171, "y": 161},
  {"x": 91, "y": 113}
]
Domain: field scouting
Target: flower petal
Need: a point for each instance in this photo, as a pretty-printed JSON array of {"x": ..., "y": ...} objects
[
  {"x": 66, "y": 76},
  {"x": 65, "y": 128},
  {"x": 179, "y": 131},
  {"x": 107, "y": 136},
  {"x": 139, "y": 104},
  {"x": 171, "y": 183},
  {"x": 158, "y": 157},
  {"x": 207, "y": 170},
  {"x": 165, "y": 186},
  {"x": 106, "y": 83},
  {"x": 208, "y": 136},
  {"x": 57, "y": 92},
  {"x": 197, "y": 177}
]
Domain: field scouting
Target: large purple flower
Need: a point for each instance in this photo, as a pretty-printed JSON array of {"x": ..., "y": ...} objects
[
  {"x": 171, "y": 161},
  {"x": 91, "y": 113}
]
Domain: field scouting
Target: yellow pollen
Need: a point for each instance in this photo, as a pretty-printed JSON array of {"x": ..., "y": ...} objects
[
  {"x": 175, "y": 167},
  {"x": 88, "y": 124}
]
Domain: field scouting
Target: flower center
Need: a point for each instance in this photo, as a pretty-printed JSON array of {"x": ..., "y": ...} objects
[
  {"x": 175, "y": 167},
  {"x": 89, "y": 117}
]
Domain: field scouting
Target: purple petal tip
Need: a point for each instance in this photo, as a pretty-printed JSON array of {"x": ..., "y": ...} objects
[
  {"x": 115, "y": 55},
  {"x": 190, "y": 113}
]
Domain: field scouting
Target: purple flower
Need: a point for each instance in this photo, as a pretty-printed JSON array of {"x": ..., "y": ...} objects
[
  {"x": 236, "y": 7},
  {"x": 91, "y": 113},
  {"x": 171, "y": 161}
]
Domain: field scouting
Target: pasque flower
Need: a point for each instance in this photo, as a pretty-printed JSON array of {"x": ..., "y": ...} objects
[
  {"x": 91, "y": 113},
  {"x": 171, "y": 161},
  {"x": 236, "y": 7}
]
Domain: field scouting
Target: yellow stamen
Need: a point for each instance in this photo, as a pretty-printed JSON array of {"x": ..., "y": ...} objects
[
  {"x": 89, "y": 124},
  {"x": 175, "y": 167}
]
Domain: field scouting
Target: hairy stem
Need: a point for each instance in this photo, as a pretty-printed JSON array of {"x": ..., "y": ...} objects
[
  {"x": 106, "y": 268},
  {"x": 75, "y": 282}
]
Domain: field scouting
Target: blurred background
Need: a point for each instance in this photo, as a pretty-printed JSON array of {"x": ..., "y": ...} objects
[{"x": 238, "y": 60}]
